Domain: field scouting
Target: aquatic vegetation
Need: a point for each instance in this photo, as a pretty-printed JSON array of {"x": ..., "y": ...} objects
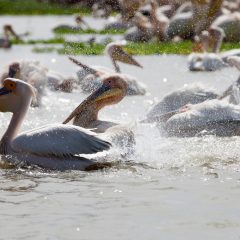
[{"x": 34, "y": 7}]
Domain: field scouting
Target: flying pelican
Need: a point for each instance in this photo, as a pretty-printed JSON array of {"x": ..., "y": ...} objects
[
  {"x": 32, "y": 72},
  {"x": 90, "y": 78},
  {"x": 112, "y": 91},
  {"x": 53, "y": 146},
  {"x": 8, "y": 31}
]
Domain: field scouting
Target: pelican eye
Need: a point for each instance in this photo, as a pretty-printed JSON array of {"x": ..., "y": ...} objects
[{"x": 10, "y": 85}]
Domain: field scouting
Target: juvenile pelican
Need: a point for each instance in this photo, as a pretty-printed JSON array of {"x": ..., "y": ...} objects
[
  {"x": 32, "y": 72},
  {"x": 53, "y": 146},
  {"x": 112, "y": 91},
  {"x": 90, "y": 78}
]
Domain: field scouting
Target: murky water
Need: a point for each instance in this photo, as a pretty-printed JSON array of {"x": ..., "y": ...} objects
[{"x": 170, "y": 189}]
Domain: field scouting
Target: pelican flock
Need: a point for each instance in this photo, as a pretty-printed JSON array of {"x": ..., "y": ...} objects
[
  {"x": 55, "y": 146},
  {"x": 189, "y": 111}
]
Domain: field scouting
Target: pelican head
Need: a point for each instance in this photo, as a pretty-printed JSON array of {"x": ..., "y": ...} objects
[
  {"x": 116, "y": 53},
  {"x": 14, "y": 70},
  {"x": 112, "y": 91},
  {"x": 14, "y": 95}
]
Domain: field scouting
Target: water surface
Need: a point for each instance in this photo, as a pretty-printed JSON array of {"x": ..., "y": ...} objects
[{"x": 170, "y": 189}]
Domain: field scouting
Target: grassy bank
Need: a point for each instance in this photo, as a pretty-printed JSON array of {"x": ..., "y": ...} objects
[
  {"x": 33, "y": 7},
  {"x": 132, "y": 48},
  {"x": 152, "y": 48},
  {"x": 63, "y": 31}
]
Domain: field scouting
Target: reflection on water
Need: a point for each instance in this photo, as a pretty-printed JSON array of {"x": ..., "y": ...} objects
[{"x": 170, "y": 188}]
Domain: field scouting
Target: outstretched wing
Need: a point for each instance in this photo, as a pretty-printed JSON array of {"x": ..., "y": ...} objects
[{"x": 59, "y": 140}]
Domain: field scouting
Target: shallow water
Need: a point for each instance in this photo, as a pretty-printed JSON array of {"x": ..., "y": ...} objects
[
  {"x": 170, "y": 189},
  {"x": 40, "y": 27}
]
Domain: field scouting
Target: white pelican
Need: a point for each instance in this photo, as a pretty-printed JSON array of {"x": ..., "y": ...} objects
[
  {"x": 210, "y": 117},
  {"x": 206, "y": 61},
  {"x": 53, "y": 146},
  {"x": 112, "y": 91},
  {"x": 175, "y": 100},
  {"x": 8, "y": 31},
  {"x": 90, "y": 78},
  {"x": 211, "y": 40},
  {"x": 230, "y": 23},
  {"x": 142, "y": 31},
  {"x": 81, "y": 23},
  {"x": 32, "y": 72}
]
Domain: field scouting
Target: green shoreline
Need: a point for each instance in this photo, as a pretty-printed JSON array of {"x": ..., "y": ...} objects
[
  {"x": 152, "y": 48},
  {"x": 33, "y": 7}
]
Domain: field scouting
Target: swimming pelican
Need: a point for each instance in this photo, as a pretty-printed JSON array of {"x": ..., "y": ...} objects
[
  {"x": 8, "y": 31},
  {"x": 32, "y": 72},
  {"x": 173, "y": 101},
  {"x": 90, "y": 78},
  {"x": 53, "y": 146},
  {"x": 81, "y": 23},
  {"x": 211, "y": 39},
  {"x": 112, "y": 91},
  {"x": 210, "y": 117}
]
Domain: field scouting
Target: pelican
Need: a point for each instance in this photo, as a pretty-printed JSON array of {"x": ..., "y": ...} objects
[
  {"x": 210, "y": 117},
  {"x": 58, "y": 82},
  {"x": 187, "y": 24},
  {"x": 211, "y": 39},
  {"x": 8, "y": 31},
  {"x": 208, "y": 61},
  {"x": 112, "y": 91},
  {"x": 90, "y": 78},
  {"x": 142, "y": 31},
  {"x": 78, "y": 20},
  {"x": 32, "y": 72},
  {"x": 230, "y": 23},
  {"x": 175, "y": 100},
  {"x": 193, "y": 94},
  {"x": 55, "y": 146}
]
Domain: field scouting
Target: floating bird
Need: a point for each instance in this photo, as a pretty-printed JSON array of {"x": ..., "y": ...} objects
[
  {"x": 213, "y": 117},
  {"x": 112, "y": 91},
  {"x": 8, "y": 31},
  {"x": 55, "y": 146},
  {"x": 211, "y": 40},
  {"x": 81, "y": 23},
  {"x": 90, "y": 78},
  {"x": 32, "y": 72},
  {"x": 192, "y": 94}
]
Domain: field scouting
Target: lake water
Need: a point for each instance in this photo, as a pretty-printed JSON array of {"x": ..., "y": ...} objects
[{"x": 171, "y": 188}]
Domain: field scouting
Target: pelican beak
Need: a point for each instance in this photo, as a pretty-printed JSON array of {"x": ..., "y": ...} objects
[
  {"x": 103, "y": 92},
  {"x": 4, "y": 91},
  {"x": 119, "y": 54}
]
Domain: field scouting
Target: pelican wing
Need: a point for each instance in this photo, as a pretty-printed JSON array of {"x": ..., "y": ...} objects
[{"x": 59, "y": 140}]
